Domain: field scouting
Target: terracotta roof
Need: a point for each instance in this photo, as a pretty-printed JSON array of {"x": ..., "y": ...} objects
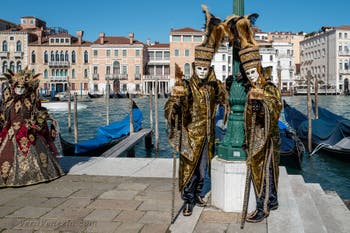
[
  {"x": 62, "y": 34},
  {"x": 343, "y": 27},
  {"x": 187, "y": 29},
  {"x": 158, "y": 45},
  {"x": 116, "y": 40}
]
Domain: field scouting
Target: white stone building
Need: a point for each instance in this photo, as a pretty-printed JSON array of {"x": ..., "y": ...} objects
[{"x": 326, "y": 54}]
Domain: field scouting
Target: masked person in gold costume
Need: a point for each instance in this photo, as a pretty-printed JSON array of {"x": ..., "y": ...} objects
[
  {"x": 262, "y": 111},
  {"x": 195, "y": 101}
]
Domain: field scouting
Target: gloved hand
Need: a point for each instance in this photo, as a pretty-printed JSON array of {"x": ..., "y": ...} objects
[
  {"x": 177, "y": 109},
  {"x": 256, "y": 105}
]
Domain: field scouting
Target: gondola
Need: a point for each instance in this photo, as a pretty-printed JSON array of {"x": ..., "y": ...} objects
[
  {"x": 292, "y": 148},
  {"x": 107, "y": 137},
  {"x": 330, "y": 132},
  {"x": 94, "y": 95}
]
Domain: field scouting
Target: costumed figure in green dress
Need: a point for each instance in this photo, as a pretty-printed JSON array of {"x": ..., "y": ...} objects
[{"x": 28, "y": 154}]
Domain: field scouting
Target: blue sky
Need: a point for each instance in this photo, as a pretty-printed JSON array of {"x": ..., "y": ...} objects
[{"x": 153, "y": 19}]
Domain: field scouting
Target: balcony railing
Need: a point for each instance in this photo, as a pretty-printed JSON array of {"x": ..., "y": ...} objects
[
  {"x": 137, "y": 76},
  {"x": 154, "y": 77},
  {"x": 95, "y": 77},
  {"x": 120, "y": 76},
  {"x": 58, "y": 78},
  {"x": 344, "y": 53},
  {"x": 18, "y": 54},
  {"x": 59, "y": 63},
  {"x": 4, "y": 54}
]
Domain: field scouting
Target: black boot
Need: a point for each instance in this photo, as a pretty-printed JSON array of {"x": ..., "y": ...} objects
[
  {"x": 187, "y": 210},
  {"x": 257, "y": 216},
  {"x": 199, "y": 201}
]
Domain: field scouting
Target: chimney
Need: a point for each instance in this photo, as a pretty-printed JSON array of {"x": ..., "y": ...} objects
[
  {"x": 102, "y": 38},
  {"x": 131, "y": 37},
  {"x": 80, "y": 36},
  {"x": 40, "y": 36}
]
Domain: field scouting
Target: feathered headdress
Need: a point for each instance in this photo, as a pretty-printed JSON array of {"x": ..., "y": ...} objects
[
  {"x": 240, "y": 28},
  {"x": 24, "y": 78}
]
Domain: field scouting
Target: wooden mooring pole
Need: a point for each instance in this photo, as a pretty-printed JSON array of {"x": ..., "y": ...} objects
[
  {"x": 107, "y": 100},
  {"x": 131, "y": 116},
  {"x": 75, "y": 118},
  {"x": 156, "y": 116},
  {"x": 309, "y": 117},
  {"x": 69, "y": 106}
]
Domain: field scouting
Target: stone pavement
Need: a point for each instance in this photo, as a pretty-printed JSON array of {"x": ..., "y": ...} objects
[
  {"x": 100, "y": 195},
  {"x": 87, "y": 203}
]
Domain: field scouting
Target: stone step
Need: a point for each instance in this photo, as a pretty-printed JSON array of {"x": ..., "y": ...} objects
[
  {"x": 333, "y": 211},
  {"x": 286, "y": 218},
  {"x": 311, "y": 219}
]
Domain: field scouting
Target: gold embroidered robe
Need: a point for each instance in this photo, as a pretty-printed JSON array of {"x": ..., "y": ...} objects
[
  {"x": 197, "y": 127},
  {"x": 264, "y": 144}
]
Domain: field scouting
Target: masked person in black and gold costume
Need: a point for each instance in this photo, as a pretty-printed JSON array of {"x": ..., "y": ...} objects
[
  {"x": 27, "y": 150},
  {"x": 195, "y": 100},
  {"x": 262, "y": 111}
]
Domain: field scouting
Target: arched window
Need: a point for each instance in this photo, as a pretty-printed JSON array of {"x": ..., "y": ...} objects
[
  {"x": 4, "y": 67},
  {"x": 52, "y": 56},
  {"x": 19, "y": 46},
  {"x": 19, "y": 66},
  {"x": 33, "y": 56},
  {"x": 86, "y": 57},
  {"x": 62, "y": 56},
  {"x": 116, "y": 67},
  {"x": 57, "y": 56},
  {"x": 53, "y": 73},
  {"x": 4, "y": 46},
  {"x": 73, "y": 73},
  {"x": 66, "y": 56},
  {"x": 46, "y": 74},
  {"x": 85, "y": 73},
  {"x": 12, "y": 66},
  {"x": 73, "y": 56},
  {"x": 187, "y": 69},
  {"x": 46, "y": 57}
]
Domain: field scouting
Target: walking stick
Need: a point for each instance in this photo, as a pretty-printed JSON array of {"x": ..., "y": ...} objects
[
  {"x": 175, "y": 152},
  {"x": 248, "y": 177}
]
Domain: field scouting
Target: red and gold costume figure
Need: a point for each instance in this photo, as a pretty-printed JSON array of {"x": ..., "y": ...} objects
[{"x": 27, "y": 150}]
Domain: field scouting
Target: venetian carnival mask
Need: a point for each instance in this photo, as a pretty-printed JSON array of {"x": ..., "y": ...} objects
[
  {"x": 23, "y": 82},
  {"x": 202, "y": 71},
  {"x": 252, "y": 74}
]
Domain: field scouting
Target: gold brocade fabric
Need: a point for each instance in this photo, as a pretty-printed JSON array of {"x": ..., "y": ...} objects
[
  {"x": 265, "y": 141},
  {"x": 27, "y": 150},
  {"x": 197, "y": 121}
]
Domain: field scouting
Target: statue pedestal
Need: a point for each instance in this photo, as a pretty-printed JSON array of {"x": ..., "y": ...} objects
[{"x": 227, "y": 185}]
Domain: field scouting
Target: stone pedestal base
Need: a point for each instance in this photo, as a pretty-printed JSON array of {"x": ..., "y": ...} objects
[{"x": 228, "y": 184}]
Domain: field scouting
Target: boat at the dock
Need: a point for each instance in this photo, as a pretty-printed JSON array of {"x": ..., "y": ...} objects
[
  {"x": 107, "y": 136},
  {"x": 292, "y": 148},
  {"x": 56, "y": 106},
  {"x": 329, "y": 135}
]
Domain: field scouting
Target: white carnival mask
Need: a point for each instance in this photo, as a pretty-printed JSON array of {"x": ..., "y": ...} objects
[
  {"x": 252, "y": 74},
  {"x": 202, "y": 71}
]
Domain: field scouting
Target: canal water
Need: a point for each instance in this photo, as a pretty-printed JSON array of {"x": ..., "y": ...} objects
[{"x": 332, "y": 174}]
